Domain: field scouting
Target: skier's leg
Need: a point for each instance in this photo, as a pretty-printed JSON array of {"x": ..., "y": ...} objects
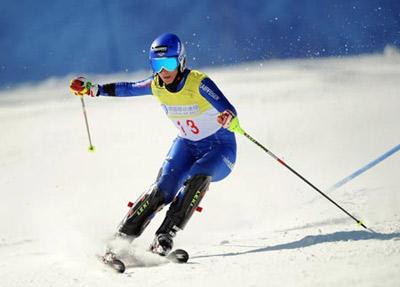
[
  {"x": 218, "y": 163},
  {"x": 180, "y": 211},
  {"x": 142, "y": 212},
  {"x": 169, "y": 180},
  {"x": 185, "y": 204},
  {"x": 174, "y": 169},
  {"x": 161, "y": 193},
  {"x": 134, "y": 222},
  {"x": 213, "y": 166}
]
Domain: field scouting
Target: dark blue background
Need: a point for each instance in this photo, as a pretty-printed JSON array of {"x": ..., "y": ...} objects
[{"x": 40, "y": 39}]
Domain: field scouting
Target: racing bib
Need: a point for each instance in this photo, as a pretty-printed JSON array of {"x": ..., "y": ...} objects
[{"x": 191, "y": 113}]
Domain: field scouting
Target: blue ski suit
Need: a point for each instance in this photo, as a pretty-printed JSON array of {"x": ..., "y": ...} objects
[{"x": 202, "y": 147}]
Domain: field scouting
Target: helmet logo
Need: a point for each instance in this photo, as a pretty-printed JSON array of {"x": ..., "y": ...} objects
[{"x": 160, "y": 50}]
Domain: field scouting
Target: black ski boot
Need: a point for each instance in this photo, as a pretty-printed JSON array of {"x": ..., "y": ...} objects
[{"x": 162, "y": 244}]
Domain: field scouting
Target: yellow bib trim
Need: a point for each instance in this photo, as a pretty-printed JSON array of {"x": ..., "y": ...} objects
[{"x": 188, "y": 102}]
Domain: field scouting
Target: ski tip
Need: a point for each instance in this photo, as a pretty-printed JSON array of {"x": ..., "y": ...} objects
[
  {"x": 114, "y": 263},
  {"x": 118, "y": 265},
  {"x": 179, "y": 256}
]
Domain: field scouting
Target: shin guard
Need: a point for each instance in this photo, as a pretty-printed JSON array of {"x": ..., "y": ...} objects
[
  {"x": 183, "y": 207},
  {"x": 141, "y": 213}
]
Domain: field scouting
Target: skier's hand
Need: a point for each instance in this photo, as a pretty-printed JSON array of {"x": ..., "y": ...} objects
[
  {"x": 225, "y": 118},
  {"x": 81, "y": 86},
  {"x": 229, "y": 121}
]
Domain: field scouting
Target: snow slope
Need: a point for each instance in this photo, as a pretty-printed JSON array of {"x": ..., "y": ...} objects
[{"x": 262, "y": 226}]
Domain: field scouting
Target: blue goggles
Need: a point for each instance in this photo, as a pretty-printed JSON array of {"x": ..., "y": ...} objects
[{"x": 169, "y": 64}]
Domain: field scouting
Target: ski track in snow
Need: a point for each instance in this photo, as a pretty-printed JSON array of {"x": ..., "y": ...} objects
[{"x": 262, "y": 226}]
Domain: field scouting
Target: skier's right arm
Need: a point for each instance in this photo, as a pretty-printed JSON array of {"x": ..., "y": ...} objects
[
  {"x": 81, "y": 86},
  {"x": 125, "y": 89}
]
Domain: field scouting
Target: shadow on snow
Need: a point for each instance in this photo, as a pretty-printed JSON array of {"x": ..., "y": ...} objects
[{"x": 314, "y": 240}]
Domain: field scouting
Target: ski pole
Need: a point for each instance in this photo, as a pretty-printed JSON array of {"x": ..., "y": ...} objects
[
  {"x": 91, "y": 148},
  {"x": 236, "y": 128}
]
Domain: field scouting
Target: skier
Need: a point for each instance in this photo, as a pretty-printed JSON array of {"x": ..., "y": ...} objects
[{"x": 203, "y": 152}]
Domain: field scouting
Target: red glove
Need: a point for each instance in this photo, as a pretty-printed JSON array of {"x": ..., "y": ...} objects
[
  {"x": 81, "y": 86},
  {"x": 225, "y": 118}
]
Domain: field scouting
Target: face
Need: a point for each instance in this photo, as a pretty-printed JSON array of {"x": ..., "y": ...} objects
[{"x": 167, "y": 76}]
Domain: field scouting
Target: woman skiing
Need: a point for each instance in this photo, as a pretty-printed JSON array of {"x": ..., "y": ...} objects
[{"x": 203, "y": 152}]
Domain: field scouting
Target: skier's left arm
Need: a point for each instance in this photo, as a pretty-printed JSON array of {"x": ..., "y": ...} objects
[
  {"x": 228, "y": 115},
  {"x": 209, "y": 90}
]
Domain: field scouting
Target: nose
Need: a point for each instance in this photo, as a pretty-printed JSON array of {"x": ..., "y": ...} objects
[{"x": 163, "y": 71}]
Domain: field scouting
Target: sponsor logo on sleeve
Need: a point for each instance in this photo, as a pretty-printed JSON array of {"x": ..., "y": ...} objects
[{"x": 209, "y": 92}]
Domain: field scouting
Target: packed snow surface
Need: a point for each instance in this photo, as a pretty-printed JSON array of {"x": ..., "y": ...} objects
[{"x": 262, "y": 226}]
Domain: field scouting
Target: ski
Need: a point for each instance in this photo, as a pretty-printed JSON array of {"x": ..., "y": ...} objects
[
  {"x": 177, "y": 256},
  {"x": 110, "y": 260},
  {"x": 117, "y": 265}
]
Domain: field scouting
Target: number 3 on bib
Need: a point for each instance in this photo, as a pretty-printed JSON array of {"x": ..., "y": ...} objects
[{"x": 190, "y": 124}]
